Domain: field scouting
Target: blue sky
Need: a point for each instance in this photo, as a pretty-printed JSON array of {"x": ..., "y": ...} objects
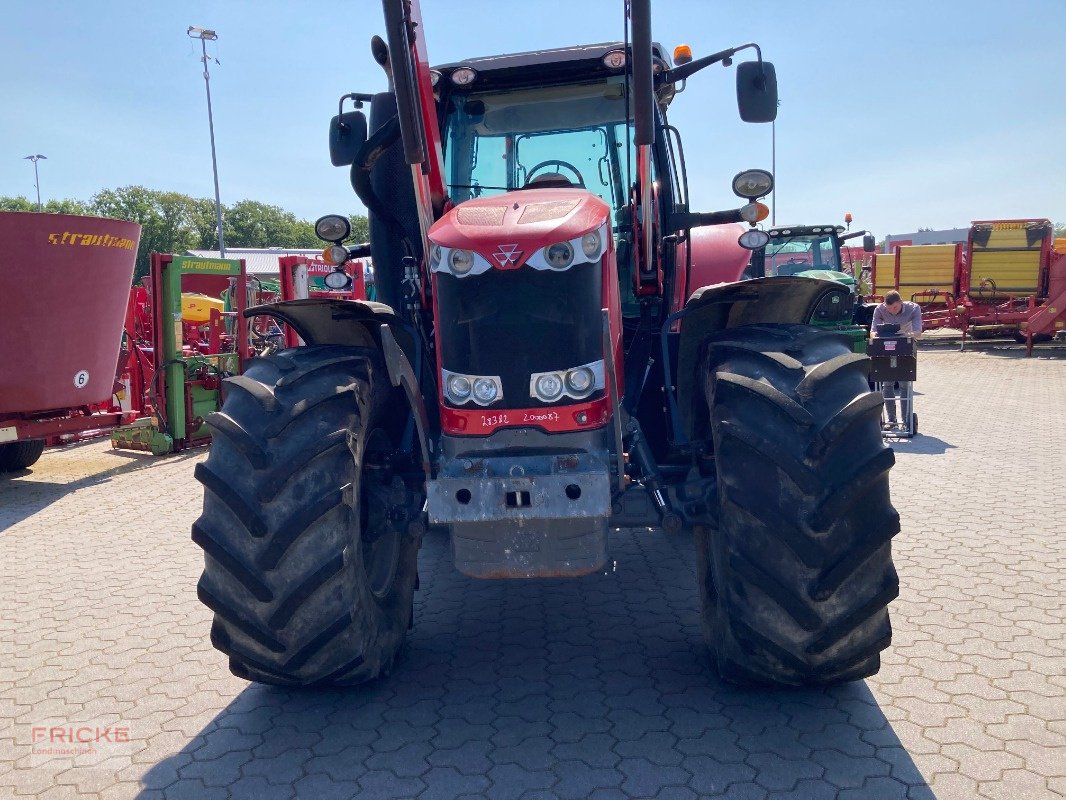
[{"x": 905, "y": 113}]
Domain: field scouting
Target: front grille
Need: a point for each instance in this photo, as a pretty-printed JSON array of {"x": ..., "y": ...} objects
[{"x": 514, "y": 323}]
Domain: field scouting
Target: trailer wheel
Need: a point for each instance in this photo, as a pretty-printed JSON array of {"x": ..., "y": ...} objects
[
  {"x": 15, "y": 456},
  {"x": 311, "y": 519},
  {"x": 796, "y": 578}
]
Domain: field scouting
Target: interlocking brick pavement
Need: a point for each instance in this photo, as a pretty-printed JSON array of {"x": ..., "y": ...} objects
[{"x": 594, "y": 688}]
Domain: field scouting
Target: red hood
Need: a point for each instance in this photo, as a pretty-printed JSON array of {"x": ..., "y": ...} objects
[
  {"x": 530, "y": 219},
  {"x": 716, "y": 255}
]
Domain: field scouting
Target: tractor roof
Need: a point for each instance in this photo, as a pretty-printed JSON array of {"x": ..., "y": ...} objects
[{"x": 539, "y": 67}]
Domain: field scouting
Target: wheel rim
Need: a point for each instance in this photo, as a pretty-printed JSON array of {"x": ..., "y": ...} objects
[{"x": 379, "y": 533}]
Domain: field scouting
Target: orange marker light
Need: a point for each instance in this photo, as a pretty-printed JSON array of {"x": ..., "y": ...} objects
[
  {"x": 682, "y": 54},
  {"x": 847, "y": 217},
  {"x": 764, "y": 212}
]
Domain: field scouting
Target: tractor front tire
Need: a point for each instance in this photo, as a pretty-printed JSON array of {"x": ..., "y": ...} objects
[
  {"x": 796, "y": 577},
  {"x": 15, "y": 456},
  {"x": 310, "y": 527}
]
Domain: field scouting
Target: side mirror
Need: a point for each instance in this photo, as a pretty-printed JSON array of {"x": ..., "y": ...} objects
[
  {"x": 868, "y": 243},
  {"x": 757, "y": 91},
  {"x": 347, "y": 133}
]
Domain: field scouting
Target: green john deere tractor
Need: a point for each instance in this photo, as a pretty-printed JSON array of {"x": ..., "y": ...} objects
[{"x": 813, "y": 251}]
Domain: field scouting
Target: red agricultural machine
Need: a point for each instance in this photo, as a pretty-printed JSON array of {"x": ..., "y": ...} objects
[
  {"x": 562, "y": 347},
  {"x": 65, "y": 281},
  {"x": 1009, "y": 278},
  {"x": 303, "y": 278}
]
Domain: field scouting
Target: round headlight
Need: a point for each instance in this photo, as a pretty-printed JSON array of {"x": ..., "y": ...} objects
[
  {"x": 549, "y": 386},
  {"x": 333, "y": 228},
  {"x": 753, "y": 183},
  {"x": 753, "y": 239},
  {"x": 337, "y": 280},
  {"x": 559, "y": 255},
  {"x": 485, "y": 390},
  {"x": 434, "y": 256},
  {"x": 590, "y": 244},
  {"x": 459, "y": 387},
  {"x": 461, "y": 261},
  {"x": 580, "y": 380}
]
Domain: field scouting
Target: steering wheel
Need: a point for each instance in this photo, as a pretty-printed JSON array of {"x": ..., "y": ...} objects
[{"x": 555, "y": 162}]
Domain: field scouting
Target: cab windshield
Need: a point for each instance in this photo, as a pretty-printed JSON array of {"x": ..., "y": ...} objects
[
  {"x": 499, "y": 142},
  {"x": 787, "y": 256}
]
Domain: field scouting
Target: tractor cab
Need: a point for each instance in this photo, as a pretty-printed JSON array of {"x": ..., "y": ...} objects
[
  {"x": 794, "y": 250},
  {"x": 556, "y": 119},
  {"x": 798, "y": 248}
]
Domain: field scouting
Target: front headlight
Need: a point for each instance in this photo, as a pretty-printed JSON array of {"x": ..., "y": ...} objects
[
  {"x": 576, "y": 383},
  {"x": 580, "y": 380},
  {"x": 753, "y": 239},
  {"x": 481, "y": 389},
  {"x": 548, "y": 387},
  {"x": 559, "y": 255},
  {"x": 590, "y": 244},
  {"x": 333, "y": 228},
  {"x": 485, "y": 390},
  {"x": 337, "y": 280},
  {"x": 753, "y": 184},
  {"x": 460, "y": 261},
  {"x": 459, "y": 387}
]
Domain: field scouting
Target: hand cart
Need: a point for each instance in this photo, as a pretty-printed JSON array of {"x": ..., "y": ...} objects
[{"x": 893, "y": 359}]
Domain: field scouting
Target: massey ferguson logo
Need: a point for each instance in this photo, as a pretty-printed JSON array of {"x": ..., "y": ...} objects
[{"x": 507, "y": 255}]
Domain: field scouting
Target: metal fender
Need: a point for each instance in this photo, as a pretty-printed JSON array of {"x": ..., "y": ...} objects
[{"x": 786, "y": 300}]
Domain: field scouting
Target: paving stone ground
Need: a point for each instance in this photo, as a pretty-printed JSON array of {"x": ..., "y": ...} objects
[{"x": 596, "y": 688}]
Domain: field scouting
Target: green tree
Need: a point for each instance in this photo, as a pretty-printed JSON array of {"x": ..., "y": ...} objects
[
  {"x": 249, "y": 223},
  {"x": 360, "y": 228},
  {"x": 51, "y": 207},
  {"x": 166, "y": 219},
  {"x": 1060, "y": 229}
]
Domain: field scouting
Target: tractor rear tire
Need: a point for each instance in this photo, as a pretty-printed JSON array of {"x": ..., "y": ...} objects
[
  {"x": 796, "y": 578},
  {"x": 311, "y": 519},
  {"x": 15, "y": 456}
]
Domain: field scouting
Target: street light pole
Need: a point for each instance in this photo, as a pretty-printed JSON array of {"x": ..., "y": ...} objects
[
  {"x": 36, "y": 176},
  {"x": 205, "y": 36},
  {"x": 773, "y": 171},
  {"x": 773, "y": 167}
]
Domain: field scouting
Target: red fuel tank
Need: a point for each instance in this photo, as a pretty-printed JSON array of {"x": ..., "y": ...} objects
[{"x": 64, "y": 282}]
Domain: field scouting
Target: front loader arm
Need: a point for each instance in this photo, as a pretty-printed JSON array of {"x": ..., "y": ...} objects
[{"x": 416, "y": 109}]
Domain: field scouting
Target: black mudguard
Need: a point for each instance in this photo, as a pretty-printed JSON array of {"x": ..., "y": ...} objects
[{"x": 782, "y": 299}]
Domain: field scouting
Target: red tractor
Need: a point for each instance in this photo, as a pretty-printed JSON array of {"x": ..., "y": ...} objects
[{"x": 562, "y": 348}]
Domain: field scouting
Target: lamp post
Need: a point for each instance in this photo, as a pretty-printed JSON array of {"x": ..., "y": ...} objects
[
  {"x": 36, "y": 177},
  {"x": 773, "y": 167},
  {"x": 206, "y": 36}
]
